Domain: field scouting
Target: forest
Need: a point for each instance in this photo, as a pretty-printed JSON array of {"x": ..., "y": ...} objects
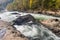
[{"x": 24, "y": 5}]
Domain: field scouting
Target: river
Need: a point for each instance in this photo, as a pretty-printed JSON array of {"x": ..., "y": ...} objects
[
  {"x": 11, "y": 16},
  {"x": 34, "y": 30}
]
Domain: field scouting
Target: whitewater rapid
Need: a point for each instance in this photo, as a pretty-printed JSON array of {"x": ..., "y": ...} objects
[
  {"x": 36, "y": 32},
  {"x": 32, "y": 31},
  {"x": 10, "y": 16}
]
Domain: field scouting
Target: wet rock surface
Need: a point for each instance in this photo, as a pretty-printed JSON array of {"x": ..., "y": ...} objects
[
  {"x": 33, "y": 31},
  {"x": 11, "y": 32},
  {"x": 53, "y": 25},
  {"x": 24, "y": 19},
  {"x": 23, "y": 28}
]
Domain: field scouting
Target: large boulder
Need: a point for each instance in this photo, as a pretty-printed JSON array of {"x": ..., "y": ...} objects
[{"x": 24, "y": 19}]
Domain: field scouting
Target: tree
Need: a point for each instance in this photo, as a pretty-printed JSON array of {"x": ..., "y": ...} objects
[
  {"x": 57, "y": 4},
  {"x": 34, "y": 4},
  {"x": 30, "y": 3}
]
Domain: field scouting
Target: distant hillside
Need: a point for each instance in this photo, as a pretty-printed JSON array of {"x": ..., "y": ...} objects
[{"x": 3, "y": 3}]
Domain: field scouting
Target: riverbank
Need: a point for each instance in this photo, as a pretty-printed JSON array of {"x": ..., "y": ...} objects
[{"x": 45, "y": 12}]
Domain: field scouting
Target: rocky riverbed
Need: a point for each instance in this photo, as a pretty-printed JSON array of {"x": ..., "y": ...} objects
[
  {"x": 11, "y": 32},
  {"x": 53, "y": 25},
  {"x": 24, "y": 27}
]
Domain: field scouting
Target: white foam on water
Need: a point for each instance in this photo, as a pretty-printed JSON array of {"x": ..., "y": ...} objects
[
  {"x": 7, "y": 16},
  {"x": 2, "y": 33},
  {"x": 36, "y": 31}
]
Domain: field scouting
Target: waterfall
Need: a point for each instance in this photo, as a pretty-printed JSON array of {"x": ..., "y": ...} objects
[
  {"x": 32, "y": 30},
  {"x": 6, "y": 15},
  {"x": 35, "y": 31}
]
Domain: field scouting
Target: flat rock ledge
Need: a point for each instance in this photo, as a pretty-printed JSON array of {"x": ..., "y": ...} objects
[{"x": 53, "y": 25}]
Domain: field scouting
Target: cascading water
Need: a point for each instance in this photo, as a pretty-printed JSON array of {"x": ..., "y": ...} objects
[
  {"x": 33, "y": 31},
  {"x": 36, "y": 31},
  {"x": 5, "y": 16},
  {"x": 2, "y": 33}
]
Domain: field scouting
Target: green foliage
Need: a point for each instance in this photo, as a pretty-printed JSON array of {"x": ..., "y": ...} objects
[
  {"x": 41, "y": 18},
  {"x": 57, "y": 4},
  {"x": 35, "y": 4},
  {"x": 20, "y": 5}
]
